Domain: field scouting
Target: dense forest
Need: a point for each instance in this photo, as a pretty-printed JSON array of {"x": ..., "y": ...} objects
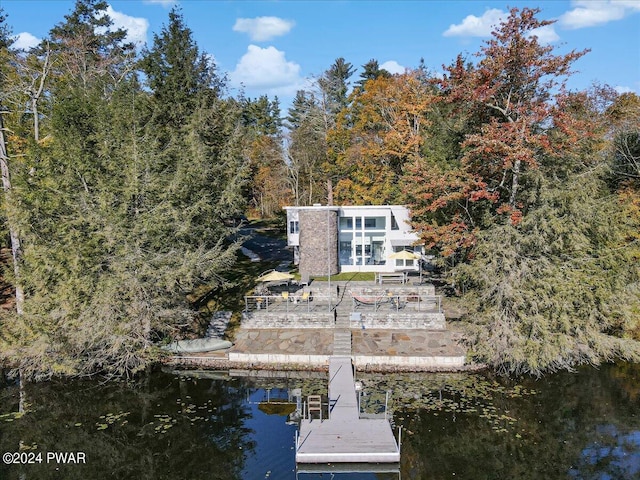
[{"x": 122, "y": 168}]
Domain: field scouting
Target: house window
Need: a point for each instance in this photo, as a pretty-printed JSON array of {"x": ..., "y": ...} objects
[
  {"x": 346, "y": 255},
  {"x": 394, "y": 223},
  {"x": 294, "y": 226},
  {"x": 374, "y": 223},
  {"x": 358, "y": 223},
  {"x": 346, "y": 223}
]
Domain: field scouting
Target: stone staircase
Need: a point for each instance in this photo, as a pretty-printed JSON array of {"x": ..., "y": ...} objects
[{"x": 342, "y": 336}]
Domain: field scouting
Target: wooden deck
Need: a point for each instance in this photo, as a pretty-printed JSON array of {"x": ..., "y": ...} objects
[{"x": 344, "y": 437}]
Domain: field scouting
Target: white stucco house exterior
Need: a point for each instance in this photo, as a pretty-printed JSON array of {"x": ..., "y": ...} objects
[{"x": 351, "y": 238}]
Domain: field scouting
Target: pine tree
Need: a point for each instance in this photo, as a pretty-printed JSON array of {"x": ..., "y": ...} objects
[
  {"x": 371, "y": 71},
  {"x": 334, "y": 84},
  {"x": 555, "y": 291},
  {"x": 306, "y": 150},
  {"x": 122, "y": 219},
  {"x": 180, "y": 77}
]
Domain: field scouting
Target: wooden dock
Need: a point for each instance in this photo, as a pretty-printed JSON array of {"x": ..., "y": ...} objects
[{"x": 345, "y": 437}]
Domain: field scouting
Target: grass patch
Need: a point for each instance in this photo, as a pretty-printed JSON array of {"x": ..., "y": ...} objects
[{"x": 349, "y": 277}]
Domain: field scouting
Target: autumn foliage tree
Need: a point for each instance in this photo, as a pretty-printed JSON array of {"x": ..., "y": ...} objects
[
  {"x": 544, "y": 252},
  {"x": 381, "y": 130},
  {"x": 557, "y": 288},
  {"x": 508, "y": 99}
]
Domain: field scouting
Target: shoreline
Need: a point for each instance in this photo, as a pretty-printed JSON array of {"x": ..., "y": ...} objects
[{"x": 221, "y": 364}]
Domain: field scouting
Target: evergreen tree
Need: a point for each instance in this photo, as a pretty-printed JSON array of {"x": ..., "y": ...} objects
[
  {"x": 334, "y": 84},
  {"x": 306, "y": 149},
  {"x": 555, "y": 291},
  {"x": 371, "y": 71},
  {"x": 302, "y": 106},
  {"x": 5, "y": 31},
  {"x": 179, "y": 75},
  {"x": 262, "y": 115},
  {"x": 122, "y": 219},
  {"x": 10, "y": 222}
]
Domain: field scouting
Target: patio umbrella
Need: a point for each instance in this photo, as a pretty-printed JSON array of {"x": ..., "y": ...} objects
[
  {"x": 404, "y": 255},
  {"x": 274, "y": 276},
  {"x": 407, "y": 255}
]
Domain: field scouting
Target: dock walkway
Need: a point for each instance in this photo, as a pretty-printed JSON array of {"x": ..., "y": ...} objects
[{"x": 345, "y": 437}]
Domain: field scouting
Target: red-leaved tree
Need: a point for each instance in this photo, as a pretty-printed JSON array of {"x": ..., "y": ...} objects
[{"x": 507, "y": 99}]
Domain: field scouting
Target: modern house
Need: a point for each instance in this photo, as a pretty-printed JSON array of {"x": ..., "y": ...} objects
[{"x": 330, "y": 239}]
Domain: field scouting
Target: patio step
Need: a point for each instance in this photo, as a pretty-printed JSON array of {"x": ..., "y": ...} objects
[
  {"x": 342, "y": 321},
  {"x": 342, "y": 342}
]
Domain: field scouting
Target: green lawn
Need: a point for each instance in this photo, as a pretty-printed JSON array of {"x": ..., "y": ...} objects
[{"x": 349, "y": 276}]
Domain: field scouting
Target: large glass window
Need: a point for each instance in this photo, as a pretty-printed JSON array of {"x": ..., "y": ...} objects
[
  {"x": 346, "y": 223},
  {"x": 374, "y": 223},
  {"x": 375, "y": 247},
  {"x": 346, "y": 252},
  {"x": 359, "y": 249},
  {"x": 362, "y": 240}
]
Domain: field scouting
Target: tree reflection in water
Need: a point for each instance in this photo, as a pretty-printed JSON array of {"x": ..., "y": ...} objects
[
  {"x": 582, "y": 425},
  {"x": 162, "y": 427}
]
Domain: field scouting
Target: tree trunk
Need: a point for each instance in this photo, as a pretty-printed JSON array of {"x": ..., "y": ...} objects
[
  {"x": 36, "y": 94},
  {"x": 514, "y": 183},
  {"x": 13, "y": 234}
]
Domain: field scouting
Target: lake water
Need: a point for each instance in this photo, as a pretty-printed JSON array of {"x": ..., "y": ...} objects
[{"x": 208, "y": 425}]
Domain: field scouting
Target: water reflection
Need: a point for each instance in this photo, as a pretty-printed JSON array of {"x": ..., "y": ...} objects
[
  {"x": 209, "y": 425},
  {"x": 614, "y": 455}
]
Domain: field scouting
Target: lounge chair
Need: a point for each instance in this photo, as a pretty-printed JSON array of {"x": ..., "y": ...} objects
[{"x": 369, "y": 300}]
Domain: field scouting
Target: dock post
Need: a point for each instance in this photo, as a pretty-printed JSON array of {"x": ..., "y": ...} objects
[{"x": 386, "y": 404}]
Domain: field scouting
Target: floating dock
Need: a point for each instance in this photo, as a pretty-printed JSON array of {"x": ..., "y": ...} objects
[{"x": 345, "y": 437}]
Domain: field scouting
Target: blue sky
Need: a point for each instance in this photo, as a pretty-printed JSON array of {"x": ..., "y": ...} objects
[{"x": 276, "y": 47}]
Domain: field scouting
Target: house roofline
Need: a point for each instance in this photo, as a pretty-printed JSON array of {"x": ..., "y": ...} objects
[{"x": 339, "y": 207}]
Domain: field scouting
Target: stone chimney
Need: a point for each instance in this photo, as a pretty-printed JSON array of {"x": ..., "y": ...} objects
[{"x": 318, "y": 242}]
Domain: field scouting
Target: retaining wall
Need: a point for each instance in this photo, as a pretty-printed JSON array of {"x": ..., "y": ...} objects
[
  {"x": 287, "y": 320},
  {"x": 368, "y": 361},
  {"x": 398, "y": 320},
  {"x": 362, "y": 362}
]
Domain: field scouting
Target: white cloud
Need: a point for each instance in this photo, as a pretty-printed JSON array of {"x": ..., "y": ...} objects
[
  {"x": 261, "y": 29},
  {"x": 473, "y": 26},
  {"x": 164, "y": 3},
  {"x": 136, "y": 27},
  {"x": 136, "y": 30},
  {"x": 620, "y": 89},
  {"x": 597, "y": 12},
  {"x": 393, "y": 67},
  {"x": 546, "y": 34},
  {"x": 266, "y": 68},
  {"x": 25, "y": 41}
]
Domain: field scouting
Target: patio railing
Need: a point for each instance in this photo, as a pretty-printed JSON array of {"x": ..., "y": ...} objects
[
  {"x": 305, "y": 302},
  {"x": 398, "y": 302},
  {"x": 308, "y": 302}
]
